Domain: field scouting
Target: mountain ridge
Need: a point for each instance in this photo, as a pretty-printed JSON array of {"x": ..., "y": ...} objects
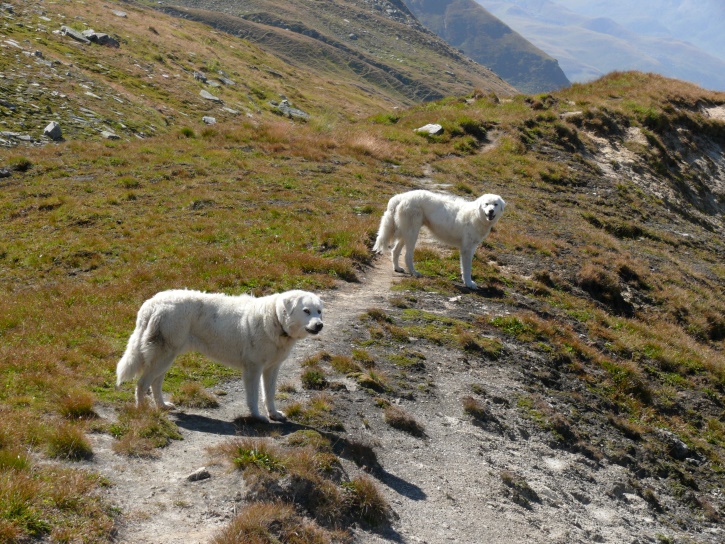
[{"x": 486, "y": 39}]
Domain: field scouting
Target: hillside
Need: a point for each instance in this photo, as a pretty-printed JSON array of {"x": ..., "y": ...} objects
[
  {"x": 377, "y": 45},
  {"x": 696, "y": 23},
  {"x": 588, "y": 47},
  {"x": 487, "y": 40},
  {"x": 576, "y": 396}
]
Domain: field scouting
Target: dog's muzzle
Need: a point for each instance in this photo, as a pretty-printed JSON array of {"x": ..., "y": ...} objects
[
  {"x": 491, "y": 215},
  {"x": 314, "y": 328}
]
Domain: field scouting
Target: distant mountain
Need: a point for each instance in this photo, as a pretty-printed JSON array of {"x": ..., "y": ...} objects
[
  {"x": 699, "y": 22},
  {"x": 377, "y": 45},
  {"x": 487, "y": 40},
  {"x": 588, "y": 47}
]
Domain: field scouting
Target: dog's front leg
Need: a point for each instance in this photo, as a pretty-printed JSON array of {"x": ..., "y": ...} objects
[
  {"x": 467, "y": 266},
  {"x": 251, "y": 377},
  {"x": 269, "y": 381}
]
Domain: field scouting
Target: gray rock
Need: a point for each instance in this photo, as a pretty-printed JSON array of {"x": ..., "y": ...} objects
[
  {"x": 199, "y": 474},
  {"x": 108, "y": 135},
  {"x": 209, "y": 120},
  {"x": 100, "y": 38},
  {"x": 208, "y": 96},
  {"x": 118, "y": 13},
  {"x": 200, "y": 77},
  {"x": 78, "y": 36},
  {"x": 430, "y": 129},
  {"x": 675, "y": 447},
  {"x": 53, "y": 131},
  {"x": 286, "y": 109}
]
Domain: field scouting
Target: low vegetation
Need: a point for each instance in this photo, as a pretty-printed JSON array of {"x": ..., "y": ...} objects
[{"x": 300, "y": 475}]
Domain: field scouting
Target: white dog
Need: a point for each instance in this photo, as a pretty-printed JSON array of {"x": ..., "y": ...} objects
[
  {"x": 254, "y": 335},
  {"x": 451, "y": 220}
]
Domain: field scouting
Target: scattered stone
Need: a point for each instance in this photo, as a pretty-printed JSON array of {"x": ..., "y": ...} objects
[
  {"x": 53, "y": 131},
  {"x": 230, "y": 110},
  {"x": 208, "y": 96},
  {"x": 199, "y": 474},
  {"x": 200, "y": 77},
  {"x": 118, "y": 13},
  {"x": 5, "y": 173},
  {"x": 353, "y": 36},
  {"x": 286, "y": 109},
  {"x": 209, "y": 120},
  {"x": 108, "y": 135},
  {"x": 100, "y": 38},
  {"x": 227, "y": 81},
  {"x": 675, "y": 447},
  {"x": 78, "y": 36},
  {"x": 431, "y": 128}
]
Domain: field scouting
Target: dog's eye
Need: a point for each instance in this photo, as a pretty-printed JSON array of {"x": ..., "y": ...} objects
[{"x": 307, "y": 311}]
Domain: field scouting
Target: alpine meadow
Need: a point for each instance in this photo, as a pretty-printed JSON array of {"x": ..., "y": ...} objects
[{"x": 575, "y": 395}]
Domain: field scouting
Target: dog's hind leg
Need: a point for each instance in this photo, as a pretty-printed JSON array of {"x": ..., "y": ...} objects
[
  {"x": 142, "y": 387},
  {"x": 411, "y": 237},
  {"x": 269, "y": 381},
  {"x": 158, "y": 395},
  {"x": 397, "y": 248},
  {"x": 154, "y": 378}
]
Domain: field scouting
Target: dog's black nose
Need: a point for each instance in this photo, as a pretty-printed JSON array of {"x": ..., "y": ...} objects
[{"x": 318, "y": 327}]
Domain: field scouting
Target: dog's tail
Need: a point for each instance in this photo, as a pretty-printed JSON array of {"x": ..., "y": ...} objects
[
  {"x": 132, "y": 362},
  {"x": 386, "y": 232}
]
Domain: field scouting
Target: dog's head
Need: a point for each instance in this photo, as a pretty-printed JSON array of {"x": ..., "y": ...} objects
[
  {"x": 300, "y": 313},
  {"x": 491, "y": 207}
]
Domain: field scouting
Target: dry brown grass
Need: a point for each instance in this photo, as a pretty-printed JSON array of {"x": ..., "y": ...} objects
[{"x": 399, "y": 419}]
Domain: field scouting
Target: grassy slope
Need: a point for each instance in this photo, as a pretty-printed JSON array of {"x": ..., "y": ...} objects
[{"x": 608, "y": 292}]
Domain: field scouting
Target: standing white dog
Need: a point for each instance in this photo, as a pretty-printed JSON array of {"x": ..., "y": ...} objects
[
  {"x": 451, "y": 220},
  {"x": 254, "y": 335}
]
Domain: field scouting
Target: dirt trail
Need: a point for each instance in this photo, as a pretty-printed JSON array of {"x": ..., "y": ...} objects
[{"x": 159, "y": 505}]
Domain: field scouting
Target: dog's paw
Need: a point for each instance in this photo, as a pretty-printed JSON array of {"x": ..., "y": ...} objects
[
  {"x": 278, "y": 416},
  {"x": 167, "y": 406},
  {"x": 258, "y": 418},
  {"x": 471, "y": 285},
  {"x": 399, "y": 270}
]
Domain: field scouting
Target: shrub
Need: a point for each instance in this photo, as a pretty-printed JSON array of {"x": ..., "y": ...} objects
[
  {"x": 256, "y": 454},
  {"x": 366, "y": 502},
  {"x": 19, "y": 164},
  {"x": 67, "y": 441},
  {"x": 187, "y": 132},
  {"x": 314, "y": 378},
  {"x": 343, "y": 364},
  {"x": 141, "y": 430},
  {"x": 76, "y": 404},
  {"x": 398, "y": 419},
  {"x": 268, "y": 523},
  {"x": 193, "y": 395}
]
